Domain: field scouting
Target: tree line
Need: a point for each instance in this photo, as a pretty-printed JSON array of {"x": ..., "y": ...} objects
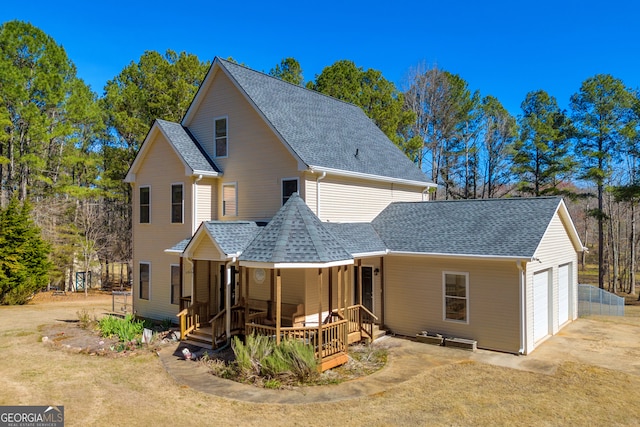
[{"x": 66, "y": 149}]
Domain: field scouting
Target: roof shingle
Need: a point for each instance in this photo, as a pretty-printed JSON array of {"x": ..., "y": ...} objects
[
  {"x": 323, "y": 131},
  {"x": 492, "y": 227}
]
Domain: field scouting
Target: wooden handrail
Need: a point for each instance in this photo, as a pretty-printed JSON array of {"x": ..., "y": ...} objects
[{"x": 190, "y": 318}]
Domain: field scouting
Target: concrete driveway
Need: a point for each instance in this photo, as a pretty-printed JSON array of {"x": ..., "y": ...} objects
[{"x": 605, "y": 342}]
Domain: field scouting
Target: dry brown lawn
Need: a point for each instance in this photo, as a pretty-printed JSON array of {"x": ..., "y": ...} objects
[{"x": 137, "y": 391}]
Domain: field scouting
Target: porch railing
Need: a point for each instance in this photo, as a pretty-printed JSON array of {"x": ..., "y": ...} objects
[
  {"x": 219, "y": 323},
  {"x": 360, "y": 320},
  {"x": 333, "y": 340},
  {"x": 192, "y": 317}
]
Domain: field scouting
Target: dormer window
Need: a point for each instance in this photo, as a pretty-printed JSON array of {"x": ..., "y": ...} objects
[{"x": 220, "y": 137}]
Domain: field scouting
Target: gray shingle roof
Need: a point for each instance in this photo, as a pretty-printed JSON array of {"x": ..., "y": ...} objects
[
  {"x": 494, "y": 227},
  {"x": 321, "y": 130},
  {"x": 295, "y": 235},
  {"x": 180, "y": 246},
  {"x": 357, "y": 238},
  {"x": 187, "y": 146},
  {"x": 232, "y": 236}
]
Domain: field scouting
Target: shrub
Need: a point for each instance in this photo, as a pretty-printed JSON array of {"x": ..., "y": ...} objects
[
  {"x": 127, "y": 329},
  {"x": 291, "y": 361}
]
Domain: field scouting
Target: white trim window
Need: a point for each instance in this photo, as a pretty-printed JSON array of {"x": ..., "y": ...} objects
[
  {"x": 220, "y": 138},
  {"x": 177, "y": 203},
  {"x": 144, "y": 202},
  {"x": 455, "y": 291},
  {"x": 229, "y": 199},
  {"x": 288, "y": 187},
  {"x": 175, "y": 284},
  {"x": 144, "y": 277}
]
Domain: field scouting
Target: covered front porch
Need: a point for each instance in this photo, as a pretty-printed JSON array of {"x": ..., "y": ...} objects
[
  {"x": 288, "y": 280},
  {"x": 329, "y": 327}
]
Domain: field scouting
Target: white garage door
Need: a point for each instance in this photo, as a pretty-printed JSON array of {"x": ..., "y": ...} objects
[
  {"x": 540, "y": 305},
  {"x": 563, "y": 294}
]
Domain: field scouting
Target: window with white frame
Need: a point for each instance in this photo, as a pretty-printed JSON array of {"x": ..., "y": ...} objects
[
  {"x": 456, "y": 296},
  {"x": 220, "y": 137},
  {"x": 144, "y": 280},
  {"x": 229, "y": 200},
  {"x": 289, "y": 186},
  {"x": 177, "y": 203},
  {"x": 145, "y": 205},
  {"x": 175, "y": 284}
]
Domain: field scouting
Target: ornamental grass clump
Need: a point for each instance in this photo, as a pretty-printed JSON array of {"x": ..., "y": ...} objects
[{"x": 261, "y": 360}]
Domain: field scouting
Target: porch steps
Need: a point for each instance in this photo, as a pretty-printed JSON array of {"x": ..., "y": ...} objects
[
  {"x": 201, "y": 337},
  {"x": 358, "y": 336},
  {"x": 333, "y": 361}
]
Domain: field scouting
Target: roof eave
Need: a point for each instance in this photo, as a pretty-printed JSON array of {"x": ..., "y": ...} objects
[
  {"x": 371, "y": 177},
  {"x": 293, "y": 265},
  {"x": 465, "y": 256}
]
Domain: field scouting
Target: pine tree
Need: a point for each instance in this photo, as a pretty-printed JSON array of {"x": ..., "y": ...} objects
[{"x": 24, "y": 262}]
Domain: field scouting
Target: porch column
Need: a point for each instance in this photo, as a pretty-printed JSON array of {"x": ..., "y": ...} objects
[
  {"x": 320, "y": 315},
  {"x": 246, "y": 297},
  {"x": 227, "y": 299},
  {"x": 278, "y": 304},
  {"x": 381, "y": 292},
  {"x": 359, "y": 296},
  {"x": 330, "y": 290},
  {"x": 340, "y": 290},
  {"x": 345, "y": 295}
]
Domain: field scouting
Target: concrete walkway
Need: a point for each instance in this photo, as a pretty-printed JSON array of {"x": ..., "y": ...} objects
[
  {"x": 406, "y": 360},
  {"x": 597, "y": 342}
]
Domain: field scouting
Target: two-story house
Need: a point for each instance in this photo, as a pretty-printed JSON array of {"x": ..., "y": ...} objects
[{"x": 277, "y": 206}]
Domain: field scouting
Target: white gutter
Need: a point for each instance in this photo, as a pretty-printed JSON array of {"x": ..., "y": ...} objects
[
  {"x": 462, "y": 256},
  {"x": 379, "y": 178},
  {"x": 523, "y": 318},
  {"x": 194, "y": 207},
  {"x": 320, "y": 178}
]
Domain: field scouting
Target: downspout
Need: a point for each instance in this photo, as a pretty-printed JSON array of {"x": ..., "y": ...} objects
[
  {"x": 194, "y": 205},
  {"x": 318, "y": 179},
  {"x": 227, "y": 297},
  {"x": 523, "y": 317}
]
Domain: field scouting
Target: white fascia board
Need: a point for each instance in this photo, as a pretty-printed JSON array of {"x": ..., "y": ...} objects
[
  {"x": 371, "y": 177},
  {"x": 206, "y": 174},
  {"x": 292, "y": 265},
  {"x": 172, "y": 251},
  {"x": 370, "y": 254},
  {"x": 463, "y": 256}
]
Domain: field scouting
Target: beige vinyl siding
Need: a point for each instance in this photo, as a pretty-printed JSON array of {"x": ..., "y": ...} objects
[
  {"x": 159, "y": 169},
  {"x": 257, "y": 160},
  {"x": 555, "y": 249},
  {"x": 202, "y": 274},
  {"x": 414, "y": 299},
  {"x": 293, "y": 286},
  {"x": 356, "y": 200},
  {"x": 205, "y": 200}
]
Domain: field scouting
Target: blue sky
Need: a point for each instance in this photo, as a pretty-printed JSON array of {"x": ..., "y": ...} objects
[{"x": 501, "y": 48}]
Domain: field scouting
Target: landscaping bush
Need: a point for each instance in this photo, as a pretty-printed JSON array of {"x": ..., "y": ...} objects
[
  {"x": 127, "y": 329},
  {"x": 259, "y": 358}
]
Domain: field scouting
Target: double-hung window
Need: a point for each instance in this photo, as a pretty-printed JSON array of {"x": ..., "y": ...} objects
[
  {"x": 220, "y": 137},
  {"x": 145, "y": 205},
  {"x": 456, "y": 296},
  {"x": 289, "y": 186},
  {"x": 229, "y": 200},
  {"x": 177, "y": 203},
  {"x": 175, "y": 284},
  {"x": 145, "y": 280}
]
